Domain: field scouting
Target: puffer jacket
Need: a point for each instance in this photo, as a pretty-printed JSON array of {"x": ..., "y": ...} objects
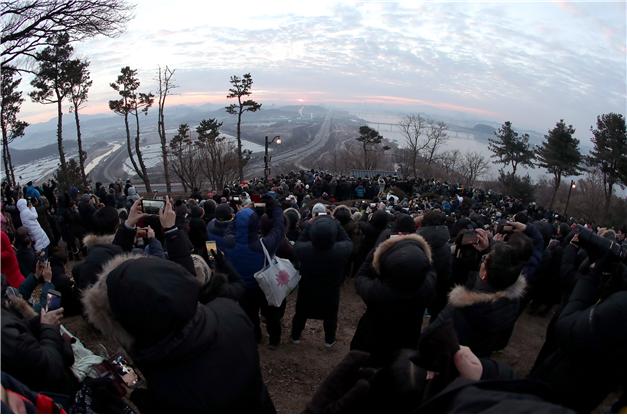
[
  {"x": 216, "y": 231},
  {"x": 323, "y": 260},
  {"x": 242, "y": 245},
  {"x": 393, "y": 314},
  {"x": 196, "y": 358},
  {"x": 36, "y": 354},
  {"x": 484, "y": 318},
  {"x": 29, "y": 220}
]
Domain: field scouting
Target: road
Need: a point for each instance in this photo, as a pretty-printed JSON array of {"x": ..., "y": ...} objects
[
  {"x": 110, "y": 168},
  {"x": 298, "y": 154}
]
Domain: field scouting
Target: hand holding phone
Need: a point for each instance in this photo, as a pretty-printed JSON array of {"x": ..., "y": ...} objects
[
  {"x": 211, "y": 247},
  {"x": 53, "y": 300}
]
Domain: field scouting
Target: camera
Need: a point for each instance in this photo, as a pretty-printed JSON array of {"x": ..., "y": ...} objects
[
  {"x": 504, "y": 228},
  {"x": 469, "y": 238},
  {"x": 603, "y": 246}
]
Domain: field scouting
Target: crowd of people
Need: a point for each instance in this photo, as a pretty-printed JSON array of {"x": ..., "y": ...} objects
[{"x": 444, "y": 271}]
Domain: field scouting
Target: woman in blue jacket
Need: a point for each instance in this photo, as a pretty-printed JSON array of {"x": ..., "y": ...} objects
[{"x": 243, "y": 250}]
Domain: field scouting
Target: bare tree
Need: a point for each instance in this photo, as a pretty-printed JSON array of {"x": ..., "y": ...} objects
[
  {"x": 11, "y": 127},
  {"x": 450, "y": 162},
  {"x": 218, "y": 155},
  {"x": 166, "y": 85},
  {"x": 436, "y": 136},
  {"x": 412, "y": 127},
  {"x": 27, "y": 25},
  {"x": 185, "y": 161},
  {"x": 473, "y": 166}
]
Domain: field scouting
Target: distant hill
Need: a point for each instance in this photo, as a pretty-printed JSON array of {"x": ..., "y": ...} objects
[
  {"x": 109, "y": 127},
  {"x": 483, "y": 129}
]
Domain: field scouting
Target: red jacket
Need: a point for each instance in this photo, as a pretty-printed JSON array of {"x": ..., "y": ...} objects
[{"x": 10, "y": 266}]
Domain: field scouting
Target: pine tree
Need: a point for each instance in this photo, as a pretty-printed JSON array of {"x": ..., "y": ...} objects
[
  {"x": 51, "y": 82},
  {"x": 510, "y": 148},
  {"x": 241, "y": 89},
  {"x": 12, "y": 128},
  {"x": 559, "y": 154},
  {"x": 80, "y": 82},
  {"x": 609, "y": 154}
]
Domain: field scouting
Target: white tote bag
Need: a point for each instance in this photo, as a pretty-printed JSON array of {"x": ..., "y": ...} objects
[{"x": 277, "y": 278}]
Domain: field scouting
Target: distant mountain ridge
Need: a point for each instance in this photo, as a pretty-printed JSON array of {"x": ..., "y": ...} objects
[{"x": 110, "y": 127}]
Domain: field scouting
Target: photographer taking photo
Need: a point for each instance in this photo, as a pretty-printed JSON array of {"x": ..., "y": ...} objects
[{"x": 584, "y": 355}]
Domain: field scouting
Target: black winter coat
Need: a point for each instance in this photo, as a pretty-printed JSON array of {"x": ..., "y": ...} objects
[
  {"x": 483, "y": 318},
  {"x": 322, "y": 270},
  {"x": 196, "y": 358},
  {"x": 198, "y": 234},
  {"x": 211, "y": 367},
  {"x": 591, "y": 337},
  {"x": 36, "y": 354},
  {"x": 438, "y": 239},
  {"x": 393, "y": 317}
]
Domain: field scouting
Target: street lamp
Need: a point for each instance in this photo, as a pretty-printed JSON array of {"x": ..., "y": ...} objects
[
  {"x": 572, "y": 187},
  {"x": 266, "y": 158}
]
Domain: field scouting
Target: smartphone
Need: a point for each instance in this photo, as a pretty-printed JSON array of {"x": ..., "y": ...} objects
[
  {"x": 211, "y": 245},
  {"x": 124, "y": 370},
  {"x": 53, "y": 300},
  {"x": 469, "y": 238},
  {"x": 262, "y": 205},
  {"x": 152, "y": 207}
]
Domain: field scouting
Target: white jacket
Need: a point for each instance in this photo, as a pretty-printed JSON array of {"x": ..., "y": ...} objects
[{"x": 29, "y": 220}]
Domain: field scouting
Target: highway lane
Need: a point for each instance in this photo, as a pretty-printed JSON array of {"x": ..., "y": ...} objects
[{"x": 296, "y": 155}]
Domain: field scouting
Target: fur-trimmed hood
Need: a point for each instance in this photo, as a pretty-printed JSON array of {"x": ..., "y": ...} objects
[
  {"x": 92, "y": 240},
  {"x": 461, "y": 296},
  {"x": 388, "y": 244},
  {"x": 96, "y": 303}
]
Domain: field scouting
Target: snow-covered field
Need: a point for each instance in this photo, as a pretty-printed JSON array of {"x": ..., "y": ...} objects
[
  {"x": 94, "y": 163},
  {"x": 37, "y": 170}
]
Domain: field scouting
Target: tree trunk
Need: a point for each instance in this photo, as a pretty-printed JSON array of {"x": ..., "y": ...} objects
[
  {"x": 556, "y": 186},
  {"x": 139, "y": 155},
  {"x": 81, "y": 156},
  {"x": 60, "y": 133},
  {"x": 608, "y": 201},
  {"x": 6, "y": 157},
  {"x": 164, "y": 150},
  {"x": 128, "y": 146},
  {"x": 240, "y": 161},
  {"x": 365, "y": 157},
  {"x": 5, "y": 160}
]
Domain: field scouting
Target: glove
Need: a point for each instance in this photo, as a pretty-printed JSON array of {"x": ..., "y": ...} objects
[{"x": 346, "y": 389}]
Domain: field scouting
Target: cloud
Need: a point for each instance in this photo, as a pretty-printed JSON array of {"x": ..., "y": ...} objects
[{"x": 532, "y": 63}]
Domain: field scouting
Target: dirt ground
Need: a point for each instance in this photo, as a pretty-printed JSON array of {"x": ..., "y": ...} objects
[{"x": 293, "y": 372}]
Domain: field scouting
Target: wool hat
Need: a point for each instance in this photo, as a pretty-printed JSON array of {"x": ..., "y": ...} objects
[
  {"x": 224, "y": 212},
  {"x": 323, "y": 232},
  {"x": 403, "y": 261},
  {"x": 318, "y": 209},
  {"x": 152, "y": 298},
  {"x": 105, "y": 220},
  {"x": 405, "y": 224}
]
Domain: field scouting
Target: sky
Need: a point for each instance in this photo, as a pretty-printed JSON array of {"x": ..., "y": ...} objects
[{"x": 532, "y": 63}]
